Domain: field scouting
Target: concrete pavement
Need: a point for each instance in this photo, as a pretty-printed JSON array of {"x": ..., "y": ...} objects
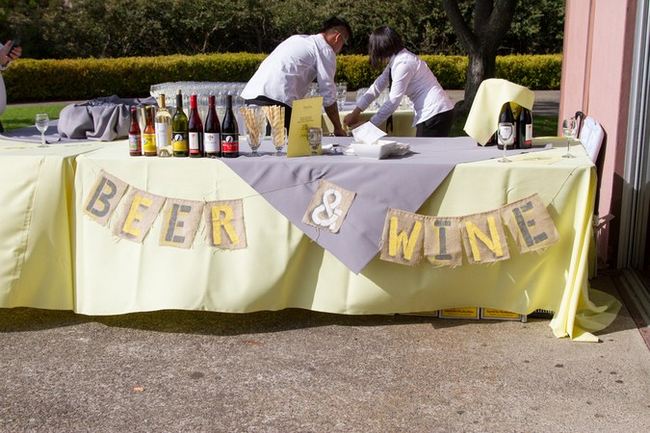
[{"x": 300, "y": 371}]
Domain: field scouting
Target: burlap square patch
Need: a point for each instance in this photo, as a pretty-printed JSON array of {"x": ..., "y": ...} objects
[
  {"x": 403, "y": 237},
  {"x": 484, "y": 238},
  {"x": 442, "y": 241},
  {"x": 225, "y": 223},
  {"x": 328, "y": 207},
  {"x": 530, "y": 224},
  {"x": 181, "y": 220},
  {"x": 137, "y": 214},
  {"x": 104, "y": 197}
]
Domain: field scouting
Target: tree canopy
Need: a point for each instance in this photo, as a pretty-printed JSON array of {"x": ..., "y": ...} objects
[{"x": 118, "y": 28}]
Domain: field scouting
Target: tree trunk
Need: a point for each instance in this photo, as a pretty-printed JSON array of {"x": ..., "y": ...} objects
[{"x": 481, "y": 65}]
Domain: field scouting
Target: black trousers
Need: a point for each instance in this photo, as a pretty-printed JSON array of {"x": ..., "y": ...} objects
[
  {"x": 264, "y": 101},
  {"x": 436, "y": 126}
]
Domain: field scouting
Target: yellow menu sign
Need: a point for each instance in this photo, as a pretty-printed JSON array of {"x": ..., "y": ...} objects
[{"x": 305, "y": 114}]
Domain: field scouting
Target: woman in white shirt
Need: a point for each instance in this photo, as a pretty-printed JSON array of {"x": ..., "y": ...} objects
[{"x": 405, "y": 74}]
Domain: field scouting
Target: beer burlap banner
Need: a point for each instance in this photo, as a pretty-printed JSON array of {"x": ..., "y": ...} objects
[
  {"x": 530, "y": 224},
  {"x": 442, "y": 241},
  {"x": 403, "y": 237},
  {"x": 180, "y": 222},
  {"x": 137, "y": 215},
  {"x": 104, "y": 197},
  {"x": 225, "y": 223},
  {"x": 484, "y": 238},
  {"x": 328, "y": 207}
]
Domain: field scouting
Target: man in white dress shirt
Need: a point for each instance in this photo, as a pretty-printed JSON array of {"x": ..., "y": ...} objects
[
  {"x": 285, "y": 75},
  {"x": 8, "y": 52}
]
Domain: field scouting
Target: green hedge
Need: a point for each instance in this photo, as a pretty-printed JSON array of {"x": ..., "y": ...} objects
[{"x": 80, "y": 79}]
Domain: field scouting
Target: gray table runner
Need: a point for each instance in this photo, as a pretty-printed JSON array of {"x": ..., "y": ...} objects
[{"x": 288, "y": 184}]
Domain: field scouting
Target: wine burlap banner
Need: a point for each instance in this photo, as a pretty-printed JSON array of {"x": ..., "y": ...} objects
[
  {"x": 484, "y": 238},
  {"x": 225, "y": 222},
  {"x": 137, "y": 214},
  {"x": 104, "y": 197},
  {"x": 180, "y": 222},
  {"x": 403, "y": 237},
  {"x": 442, "y": 241},
  {"x": 328, "y": 207},
  {"x": 530, "y": 224}
]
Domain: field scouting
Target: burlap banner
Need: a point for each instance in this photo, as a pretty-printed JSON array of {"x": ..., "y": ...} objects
[
  {"x": 328, "y": 207},
  {"x": 137, "y": 214},
  {"x": 180, "y": 222},
  {"x": 104, "y": 197},
  {"x": 225, "y": 222},
  {"x": 482, "y": 235}
]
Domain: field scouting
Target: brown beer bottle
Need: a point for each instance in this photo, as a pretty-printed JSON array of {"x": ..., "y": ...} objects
[{"x": 135, "y": 143}]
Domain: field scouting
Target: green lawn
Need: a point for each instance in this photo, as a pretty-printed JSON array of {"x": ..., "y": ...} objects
[{"x": 20, "y": 116}]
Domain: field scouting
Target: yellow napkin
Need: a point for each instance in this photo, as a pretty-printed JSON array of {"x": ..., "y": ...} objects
[{"x": 483, "y": 118}]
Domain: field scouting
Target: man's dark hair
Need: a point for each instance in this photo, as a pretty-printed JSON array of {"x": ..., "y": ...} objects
[
  {"x": 384, "y": 42},
  {"x": 333, "y": 22}
]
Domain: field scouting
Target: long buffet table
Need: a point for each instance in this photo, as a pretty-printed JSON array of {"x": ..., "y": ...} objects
[{"x": 55, "y": 257}]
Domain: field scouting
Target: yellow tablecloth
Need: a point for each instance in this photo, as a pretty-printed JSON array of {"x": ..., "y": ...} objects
[
  {"x": 282, "y": 268},
  {"x": 36, "y": 223},
  {"x": 402, "y": 121}
]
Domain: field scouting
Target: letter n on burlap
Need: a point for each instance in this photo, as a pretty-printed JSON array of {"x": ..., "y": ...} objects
[
  {"x": 104, "y": 197},
  {"x": 442, "y": 241},
  {"x": 403, "y": 237},
  {"x": 484, "y": 238},
  {"x": 530, "y": 224},
  {"x": 180, "y": 222}
]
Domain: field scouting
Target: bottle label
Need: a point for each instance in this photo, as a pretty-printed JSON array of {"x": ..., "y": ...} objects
[
  {"x": 134, "y": 143},
  {"x": 229, "y": 143},
  {"x": 529, "y": 132},
  {"x": 179, "y": 141},
  {"x": 149, "y": 143},
  {"x": 506, "y": 134},
  {"x": 194, "y": 142},
  {"x": 211, "y": 142},
  {"x": 162, "y": 135}
]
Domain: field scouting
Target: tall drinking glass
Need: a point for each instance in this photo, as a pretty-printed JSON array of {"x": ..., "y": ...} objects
[
  {"x": 569, "y": 132},
  {"x": 42, "y": 122}
]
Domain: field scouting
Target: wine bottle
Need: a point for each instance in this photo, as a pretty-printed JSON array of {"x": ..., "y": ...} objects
[
  {"x": 179, "y": 129},
  {"x": 195, "y": 130},
  {"x": 163, "y": 128},
  {"x": 212, "y": 131},
  {"x": 525, "y": 129},
  {"x": 135, "y": 145},
  {"x": 229, "y": 132},
  {"x": 149, "y": 133},
  {"x": 506, "y": 131}
]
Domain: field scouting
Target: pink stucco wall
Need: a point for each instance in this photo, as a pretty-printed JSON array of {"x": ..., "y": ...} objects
[{"x": 596, "y": 68}]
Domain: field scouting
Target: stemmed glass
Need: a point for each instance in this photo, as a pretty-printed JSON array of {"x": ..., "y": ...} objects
[
  {"x": 314, "y": 136},
  {"x": 569, "y": 132},
  {"x": 341, "y": 94},
  {"x": 279, "y": 139},
  {"x": 42, "y": 122},
  {"x": 506, "y": 133}
]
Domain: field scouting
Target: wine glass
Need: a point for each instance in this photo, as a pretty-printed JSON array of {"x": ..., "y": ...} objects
[
  {"x": 42, "y": 122},
  {"x": 279, "y": 139},
  {"x": 506, "y": 133},
  {"x": 341, "y": 94},
  {"x": 569, "y": 132},
  {"x": 314, "y": 136}
]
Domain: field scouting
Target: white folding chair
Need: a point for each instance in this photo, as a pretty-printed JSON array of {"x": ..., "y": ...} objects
[{"x": 591, "y": 137}]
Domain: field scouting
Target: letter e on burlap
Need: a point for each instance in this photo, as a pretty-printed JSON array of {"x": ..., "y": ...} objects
[
  {"x": 403, "y": 237},
  {"x": 104, "y": 197},
  {"x": 225, "y": 222},
  {"x": 180, "y": 222},
  {"x": 530, "y": 224},
  {"x": 484, "y": 238},
  {"x": 137, "y": 215},
  {"x": 442, "y": 241}
]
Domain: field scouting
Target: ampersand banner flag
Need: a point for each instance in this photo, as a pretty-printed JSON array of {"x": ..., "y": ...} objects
[{"x": 328, "y": 207}]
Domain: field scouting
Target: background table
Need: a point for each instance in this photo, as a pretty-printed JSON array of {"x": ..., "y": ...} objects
[
  {"x": 402, "y": 121},
  {"x": 282, "y": 268}
]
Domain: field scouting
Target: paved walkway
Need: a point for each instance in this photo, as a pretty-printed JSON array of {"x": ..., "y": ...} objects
[{"x": 300, "y": 371}]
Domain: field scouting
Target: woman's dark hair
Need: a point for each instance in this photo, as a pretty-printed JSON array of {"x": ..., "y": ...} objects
[{"x": 383, "y": 43}]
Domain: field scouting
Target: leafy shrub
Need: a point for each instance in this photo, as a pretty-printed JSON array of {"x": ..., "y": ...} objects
[{"x": 80, "y": 79}]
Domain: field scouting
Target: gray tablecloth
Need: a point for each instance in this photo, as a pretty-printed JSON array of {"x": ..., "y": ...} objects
[
  {"x": 105, "y": 119},
  {"x": 402, "y": 182}
]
